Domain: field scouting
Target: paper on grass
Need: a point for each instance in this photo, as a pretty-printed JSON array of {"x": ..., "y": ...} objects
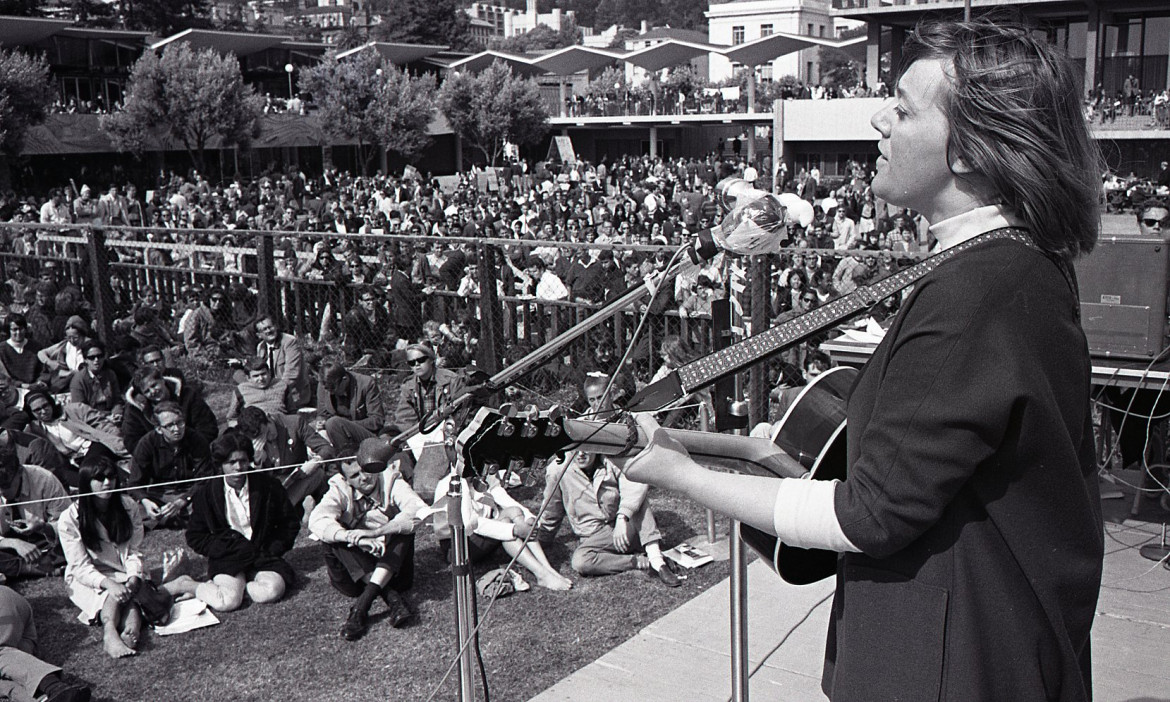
[
  {"x": 187, "y": 615},
  {"x": 688, "y": 556}
]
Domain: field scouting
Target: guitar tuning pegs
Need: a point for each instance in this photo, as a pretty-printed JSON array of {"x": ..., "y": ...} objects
[
  {"x": 490, "y": 468},
  {"x": 555, "y": 415},
  {"x": 508, "y": 410},
  {"x": 530, "y": 414}
]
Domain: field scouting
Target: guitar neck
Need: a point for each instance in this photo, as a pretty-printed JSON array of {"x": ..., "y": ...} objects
[{"x": 745, "y": 454}]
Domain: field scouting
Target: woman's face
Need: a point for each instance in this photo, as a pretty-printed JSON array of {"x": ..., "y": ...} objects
[
  {"x": 102, "y": 484},
  {"x": 914, "y": 169},
  {"x": 233, "y": 468}
]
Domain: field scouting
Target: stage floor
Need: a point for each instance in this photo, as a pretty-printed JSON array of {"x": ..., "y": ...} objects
[{"x": 686, "y": 654}]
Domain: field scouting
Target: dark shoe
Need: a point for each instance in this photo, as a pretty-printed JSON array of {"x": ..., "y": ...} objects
[
  {"x": 355, "y": 625},
  {"x": 400, "y": 613},
  {"x": 667, "y": 575},
  {"x": 61, "y": 691}
]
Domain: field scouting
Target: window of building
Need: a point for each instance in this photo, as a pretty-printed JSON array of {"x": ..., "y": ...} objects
[
  {"x": 737, "y": 35},
  {"x": 765, "y": 30},
  {"x": 765, "y": 73},
  {"x": 810, "y": 29},
  {"x": 822, "y": 30}
]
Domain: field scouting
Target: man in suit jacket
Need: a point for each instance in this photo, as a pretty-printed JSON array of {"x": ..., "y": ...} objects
[
  {"x": 243, "y": 525},
  {"x": 282, "y": 352},
  {"x": 349, "y": 404}
]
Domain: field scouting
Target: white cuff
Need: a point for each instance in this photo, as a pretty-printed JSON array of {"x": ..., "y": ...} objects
[{"x": 805, "y": 516}]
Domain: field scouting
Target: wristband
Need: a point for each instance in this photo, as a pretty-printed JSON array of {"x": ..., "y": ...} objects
[{"x": 622, "y": 516}]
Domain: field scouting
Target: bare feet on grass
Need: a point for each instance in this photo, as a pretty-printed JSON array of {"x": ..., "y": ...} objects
[
  {"x": 131, "y": 629},
  {"x": 555, "y": 581},
  {"x": 116, "y": 647}
]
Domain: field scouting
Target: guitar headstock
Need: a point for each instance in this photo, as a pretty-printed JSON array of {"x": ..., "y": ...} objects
[{"x": 496, "y": 440}]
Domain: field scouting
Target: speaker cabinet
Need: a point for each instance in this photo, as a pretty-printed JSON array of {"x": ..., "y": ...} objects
[{"x": 1123, "y": 287}]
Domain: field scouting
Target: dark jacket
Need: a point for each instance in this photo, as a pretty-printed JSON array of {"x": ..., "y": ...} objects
[
  {"x": 275, "y": 523},
  {"x": 361, "y": 401},
  {"x": 137, "y": 419},
  {"x": 972, "y": 493},
  {"x": 157, "y": 461}
]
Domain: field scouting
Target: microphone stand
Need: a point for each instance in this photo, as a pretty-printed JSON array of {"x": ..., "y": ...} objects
[{"x": 464, "y": 603}]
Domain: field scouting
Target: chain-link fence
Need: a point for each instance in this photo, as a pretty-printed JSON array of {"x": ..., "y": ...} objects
[{"x": 198, "y": 294}]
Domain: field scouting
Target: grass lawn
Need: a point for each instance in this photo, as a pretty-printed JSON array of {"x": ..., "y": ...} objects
[{"x": 291, "y": 650}]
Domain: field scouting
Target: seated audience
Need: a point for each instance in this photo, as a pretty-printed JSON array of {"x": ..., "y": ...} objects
[
  {"x": 150, "y": 387},
  {"x": 260, "y": 389},
  {"x": 97, "y": 386},
  {"x": 243, "y": 525},
  {"x": 282, "y": 353},
  {"x": 62, "y": 359},
  {"x": 166, "y": 454},
  {"x": 609, "y": 513},
  {"x": 367, "y": 520},
  {"x": 101, "y": 535},
  {"x": 286, "y": 440},
  {"x": 349, "y": 405},
  {"x": 492, "y": 517},
  {"x": 23, "y": 676},
  {"x": 29, "y": 547},
  {"x": 18, "y": 354},
  {"x": 73, "y": 430}
]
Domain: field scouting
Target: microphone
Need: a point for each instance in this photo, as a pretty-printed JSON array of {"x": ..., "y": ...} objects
[{"x": 755, "y": 223}]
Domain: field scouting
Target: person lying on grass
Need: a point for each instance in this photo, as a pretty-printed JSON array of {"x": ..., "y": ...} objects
[{"x": 101, "y": 534}]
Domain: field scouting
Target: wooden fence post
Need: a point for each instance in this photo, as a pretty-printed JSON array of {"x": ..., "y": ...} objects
[
  {"x": 266, "y": 280},
  {"x": 491, "y": 341},
  {"x": 99, "y": 271}
]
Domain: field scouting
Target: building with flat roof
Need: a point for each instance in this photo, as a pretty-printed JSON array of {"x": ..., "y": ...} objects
[{"x": 742, "y": 21}]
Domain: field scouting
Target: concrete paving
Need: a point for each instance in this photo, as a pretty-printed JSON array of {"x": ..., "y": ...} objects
[{"x": 685, "y": 656}]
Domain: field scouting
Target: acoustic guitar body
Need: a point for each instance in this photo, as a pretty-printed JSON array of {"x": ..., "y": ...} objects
[{"x": 812, "y": 431}]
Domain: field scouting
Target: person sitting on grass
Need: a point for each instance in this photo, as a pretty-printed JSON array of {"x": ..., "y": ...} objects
[
  {"x": 150, "y": 387},
  {"x": 101, "y": 535},
  {"x": 97, "y": 386},
  {"x": 285, "y": 440},
  {"x": 243, "y": 525},
  {"x": 260, "y": 389},
  {"x": 64, "y": 358},
  {"x": 492, "y": 517},
  {"x": 24, "y": 676},
  {"x": 367, "y": 520},
  {"x": 74, "y": 431},
  {"x": 167, "y": 454},
  {"x": 609, "y": 513},
  {"x": 29, "y": 547}
]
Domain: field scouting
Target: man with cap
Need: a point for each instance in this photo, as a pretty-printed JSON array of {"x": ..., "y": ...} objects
[{"x": 367, "y": 520}]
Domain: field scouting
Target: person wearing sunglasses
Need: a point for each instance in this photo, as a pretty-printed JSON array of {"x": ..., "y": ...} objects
[
  {"x": 1153, "y": 218},
  {"x": 96, "y": 385},
  {"x": 428, "y": 387},
  {"x": 74, "y": 430}
]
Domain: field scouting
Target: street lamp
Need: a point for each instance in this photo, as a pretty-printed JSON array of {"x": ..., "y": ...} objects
[{"x": 288, "y": 68}]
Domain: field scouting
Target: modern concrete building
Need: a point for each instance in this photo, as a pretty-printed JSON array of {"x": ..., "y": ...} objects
[{"x": 508, "y": 22}]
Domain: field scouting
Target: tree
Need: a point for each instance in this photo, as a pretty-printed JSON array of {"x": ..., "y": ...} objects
[
  {"x": 541, "y": 38},
  {"x": 192, "y": 97},
  {"x": 492, "y": 108},
  {"x": 374, "y": 104},
  {"x": 25, "y": 95},
  {"x": 440, "y": 22},
  {"x": 838, "y": 70},
  {"x": 166, "y": 17}
]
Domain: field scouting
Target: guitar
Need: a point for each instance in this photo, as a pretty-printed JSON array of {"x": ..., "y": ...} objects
[{"x": 809, "y": 441}]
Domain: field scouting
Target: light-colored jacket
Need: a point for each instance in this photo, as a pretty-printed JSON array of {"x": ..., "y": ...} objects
[
  {"x": 115, "y": 561},
  {"x": 339, "y": 510}
]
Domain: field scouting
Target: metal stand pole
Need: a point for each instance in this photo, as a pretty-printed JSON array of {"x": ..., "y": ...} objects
[
  {"x": 705, "y": 425},
  {"x": 739, "y": 627},
  {"x": 464, "y": 604}
]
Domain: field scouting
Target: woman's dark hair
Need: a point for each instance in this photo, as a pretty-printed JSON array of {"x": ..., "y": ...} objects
[
  {"x": 34, "y": 394},
  {"x": 116, "y": 519},
  {"x": 17, "y": 319},
  {"x": 228, "y": 443},
  {"x": 1016, "y": 119}
]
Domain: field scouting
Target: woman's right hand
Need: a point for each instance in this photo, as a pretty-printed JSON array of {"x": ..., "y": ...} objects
[
  {"x": 660, "y": 460},
  {"x": 119, "y": 591}
]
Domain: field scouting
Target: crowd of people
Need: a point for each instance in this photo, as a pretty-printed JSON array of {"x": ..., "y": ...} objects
[{"x": 105, "y": 439}]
